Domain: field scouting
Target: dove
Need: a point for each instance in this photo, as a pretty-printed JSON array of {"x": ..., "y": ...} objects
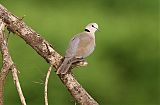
[{"x": 80, "y": 47}]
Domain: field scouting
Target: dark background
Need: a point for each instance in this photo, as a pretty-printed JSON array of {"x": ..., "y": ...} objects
[{"x": 123, "y": 70}]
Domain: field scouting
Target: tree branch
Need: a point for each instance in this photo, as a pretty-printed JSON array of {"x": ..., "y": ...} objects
[
  {"x": 17, "y": 83},
  {"x": 44, "y": 49},
  {"x": 46, "y": 85},
  {"x": 7, "y": 65}
]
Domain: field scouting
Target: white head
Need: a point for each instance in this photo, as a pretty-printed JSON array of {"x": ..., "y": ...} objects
[{"x": 92, "y": 27}]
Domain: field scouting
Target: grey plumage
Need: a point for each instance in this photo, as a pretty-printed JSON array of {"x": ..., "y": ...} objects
[{"x": 80, "y": 46}]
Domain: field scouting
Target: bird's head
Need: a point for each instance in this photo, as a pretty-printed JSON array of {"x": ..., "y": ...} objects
[{"x": 92, "y": 27}]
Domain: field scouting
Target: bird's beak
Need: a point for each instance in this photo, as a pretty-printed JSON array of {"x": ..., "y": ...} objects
[{"x": 97, "y": 29}]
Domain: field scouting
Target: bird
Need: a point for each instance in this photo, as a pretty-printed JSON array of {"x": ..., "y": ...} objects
[{"x": 80, "y": 47}]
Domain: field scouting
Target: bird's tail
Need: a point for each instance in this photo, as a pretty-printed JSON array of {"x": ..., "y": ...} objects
[{"x": 63, "y": 69}]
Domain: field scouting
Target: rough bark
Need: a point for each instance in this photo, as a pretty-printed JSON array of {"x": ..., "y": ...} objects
[{"x": 6, "y": 63}]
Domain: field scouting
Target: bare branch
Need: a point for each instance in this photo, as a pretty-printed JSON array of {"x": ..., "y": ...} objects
[
  {"x": 7, "y": 65},
  {"x": 46, "y": 85},
  {"x": 44, "y": 49},
  {"x": 17, "y": 83}
]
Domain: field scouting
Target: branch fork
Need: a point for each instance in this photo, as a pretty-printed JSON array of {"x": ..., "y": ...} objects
[{"x": 45, "y": 50}]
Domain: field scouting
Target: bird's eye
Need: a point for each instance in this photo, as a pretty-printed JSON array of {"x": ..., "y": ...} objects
[{"x": 92, "y": 25}]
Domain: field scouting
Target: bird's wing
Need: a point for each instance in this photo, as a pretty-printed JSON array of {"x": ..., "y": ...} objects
[
  {"x": 80, "y": 45},
  {"x": 86, "y": 45},
  {"x": 72, "y": 46}
]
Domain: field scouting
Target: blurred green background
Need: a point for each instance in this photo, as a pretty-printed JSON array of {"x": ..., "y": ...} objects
[{"x": 123, "y": 70}]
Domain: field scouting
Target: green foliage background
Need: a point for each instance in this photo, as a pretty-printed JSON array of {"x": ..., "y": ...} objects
[{"x": 123, "y": 70}]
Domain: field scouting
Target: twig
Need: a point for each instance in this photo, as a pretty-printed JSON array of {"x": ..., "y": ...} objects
[
  {"x": 46, "y": 85},
  {"x": 44, "y": 49},
  {"x": 7, "y": 65},
  {"x": 17, "y": 83}
]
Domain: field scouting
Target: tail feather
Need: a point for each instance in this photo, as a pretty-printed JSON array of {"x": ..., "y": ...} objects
[{"x": 63, "y": 69}]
